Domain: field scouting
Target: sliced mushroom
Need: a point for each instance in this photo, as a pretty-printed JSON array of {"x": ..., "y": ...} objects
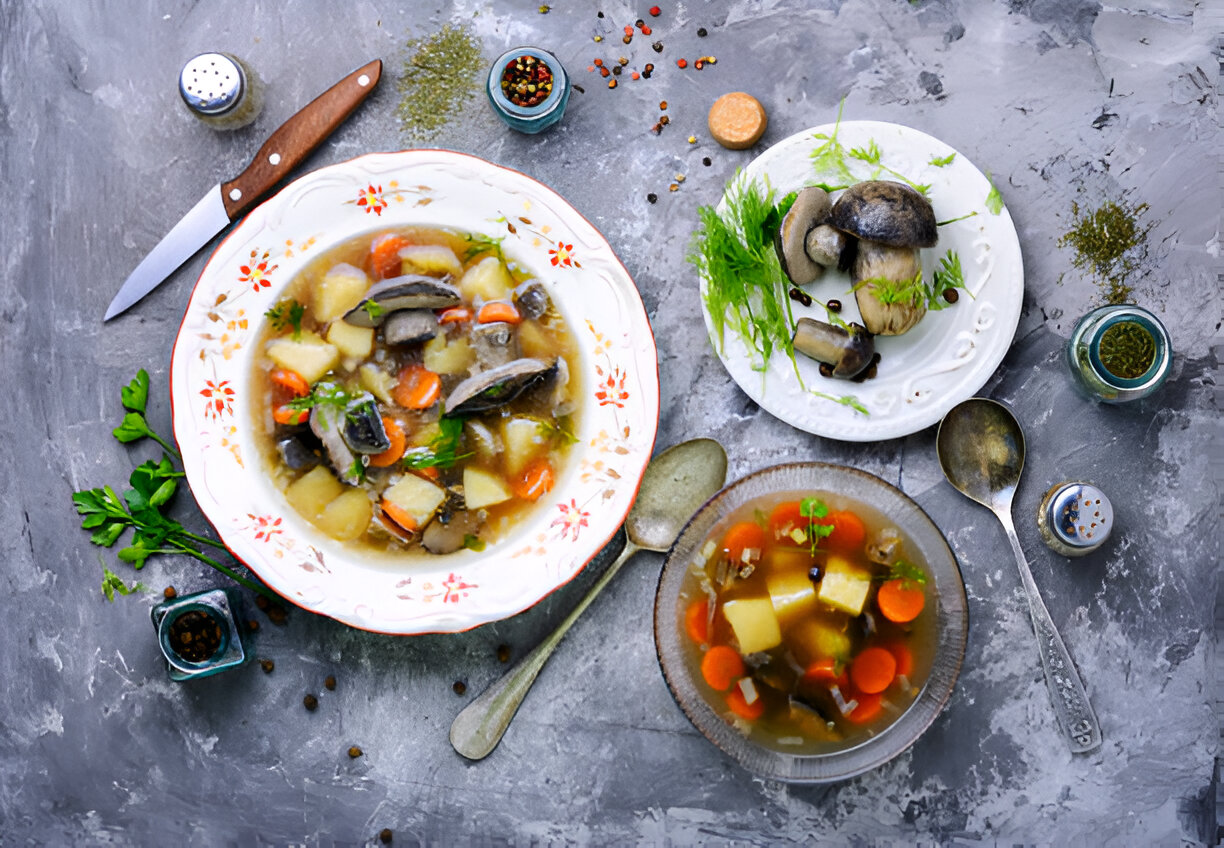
[
  {"x": 299, "y": 450},
  {"x": 363, "y": 428},
  {"x": 497, "y": 386},
  {"x": 563, "y": 403},
  {"x": 824, "y": 245},
  {"x": 410, "y": 326},
  {"x": 326, "y": 422},
  {"x": 848, "y": 351},
  {"x": 408, "y": 292},
  {"x": 447, "y": 536},
  {"x": 531, "y": 299},
  {"x": 810, "y": 209},
  {"x": 495, "y": 343},
  {"x": 891, "y": 221}
]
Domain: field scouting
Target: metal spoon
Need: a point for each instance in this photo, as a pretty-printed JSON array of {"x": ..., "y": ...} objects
[
  {"x": 675, "y": 484},
  {"x": 981, "y": 450}
]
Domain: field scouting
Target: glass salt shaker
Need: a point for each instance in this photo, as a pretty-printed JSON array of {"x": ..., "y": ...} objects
[
  {"x": 1074, "y": 518},
  {"x": 221, "y": 90},
  {"x": 200, "y": 635}
]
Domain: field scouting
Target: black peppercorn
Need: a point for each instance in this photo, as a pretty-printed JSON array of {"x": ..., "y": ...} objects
[
  {"x": 310, "y": 702},
  {"x": 330, "y": 683},
  {"x": 652, "y": 197},
  {"x": 701, "y": 32},
  {"x": 459, "y": 687},
  {"x": 950, "y": 295},
  {"x": 385, "y": 835},
  {"x": 834, "y": 305}
]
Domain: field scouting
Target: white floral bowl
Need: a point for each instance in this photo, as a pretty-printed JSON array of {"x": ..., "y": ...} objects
[{"x": 211, "y": 390}]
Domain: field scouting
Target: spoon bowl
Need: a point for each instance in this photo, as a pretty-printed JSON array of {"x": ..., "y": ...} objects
[
  {"x": 981, "y": 450},
  {"x": 674, "y": 485}
]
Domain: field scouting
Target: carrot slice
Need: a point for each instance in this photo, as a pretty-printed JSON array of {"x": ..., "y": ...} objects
[
  {"x": 849, "y": 532},
  {"x": 384, "y": 255},
  {"x": 903, "y": 655},
  {"x": 868, "y": 708},
  {"x": 291, "y": 380},
  {"x": 398, "y": 515},
  {"x": 535, "y": 481},
  {"x": 399, "y": 441},
  {"x": 498, "y": 310},
  {"x": 824, "y": 671},
  {"x": 740, "y": 706},
  {"x": 900, "y": 600},
  {"x": 283, "y": 414},
  {"x": 745, "y": 536},
  {"x": 454, "y": 315},
  {"x": 418, "y": 387},
  {"x": 696, "y": 621},
  {"x": 785, "y": 519},
  {"x": 721, "y": 666},
  {"x": 873, "y": 670}
]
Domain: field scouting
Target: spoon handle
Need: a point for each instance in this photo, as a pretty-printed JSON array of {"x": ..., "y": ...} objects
[
  {"x": 1071, "y": 705},
  {"x": 478, "y": 728}
]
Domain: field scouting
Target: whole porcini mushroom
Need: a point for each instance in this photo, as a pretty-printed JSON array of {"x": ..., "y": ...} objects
[
  {"x": 810, "y": 209},
  {"x": 891, "y": 221},
  {"x": 847, "y": 350}
]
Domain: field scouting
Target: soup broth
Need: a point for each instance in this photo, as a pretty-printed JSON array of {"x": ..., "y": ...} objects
[
  {"x": 809, "y": 621},
  {"x": 415, "y": 391}
]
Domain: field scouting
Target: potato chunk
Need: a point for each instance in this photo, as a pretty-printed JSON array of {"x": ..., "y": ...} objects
[
  {"x": 448, "y": 357},
  {"x": 376, "y": 381},
  {"x": 416, "y": 497},
  {"x": 483, "y": 488},
  {"x": 313, "y": 491},
  {"x": 845, "y": 586},
  {"x": 340, "y": 290},
  {"x": 488, "y": 279},
  {"x": 524, "y": 442},
  {"x": 357, "y": 342},
  {"x": 309, "y": 355},
  {"x": 432, "y": 260},
  {"x": 754, "y": 624},
  {"x": 348, "y": 516},
  {"x": 792, "y": 593}
]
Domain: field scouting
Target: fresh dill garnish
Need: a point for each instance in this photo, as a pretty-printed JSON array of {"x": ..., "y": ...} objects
[
  {"x": 845, "y": 400},
  {"x": 871, "y": 154},
  {"x": 994, "y": 200},
  {"x": 322, "y": 394},
  {"x": 908, "y": 572},
  {"x": 949, "y": 275},
  {"x": 957, "y": 218},
  {"x": 910, "y": 292},
  {"x": 287, "y": 313},
  {"x": 942, "y": 161},
  {"x": 480, "y": 244},
  {"x": 443, "y": 449},
  {"x": 829, "y": 159}
]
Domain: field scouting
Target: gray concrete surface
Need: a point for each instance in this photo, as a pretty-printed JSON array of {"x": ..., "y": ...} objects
[{"x": 1063, "y": 101}]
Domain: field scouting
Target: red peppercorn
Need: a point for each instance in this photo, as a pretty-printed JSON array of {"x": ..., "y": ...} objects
[
  {"x": 599, "y": 63},
  {"x": 635, "y": 75},
  {"x": 682, "y": 63},
  {"x": 646, "y": 30},
  {"x": 628, "y": 30},
  {"x": 655, "y": 11},
  {"x": 698, "y": 64}
]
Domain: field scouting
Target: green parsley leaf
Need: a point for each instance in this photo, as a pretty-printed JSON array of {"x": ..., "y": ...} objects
[
  {"x": 112, "y": 583},
  {"x": 994, "y": 200},
  {"x": 942, "y": 161},
  {"x": 480, "y": 244},
  {"x": 907, "y": 571},
  {"x": 473, "y": 543},
  {"x": 287, "y": 313},
  {"x": 135, "y": 395},
  {"x": 374, "y": 310},
  {"x": 443, "y": 449}
]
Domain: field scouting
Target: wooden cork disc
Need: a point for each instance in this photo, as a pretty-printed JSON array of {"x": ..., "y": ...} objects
[{"x": 737, "y": 120}]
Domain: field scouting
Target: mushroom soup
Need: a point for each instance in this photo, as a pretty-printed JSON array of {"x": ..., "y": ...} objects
[{"x": 415, "y": 390}]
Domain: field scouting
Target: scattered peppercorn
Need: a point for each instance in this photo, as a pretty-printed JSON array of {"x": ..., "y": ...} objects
[
  {"x": 252, "y": 625},
  {"x": 598, "y": 39},
  {"x": 834, "y": 305},
  {"x": 617, "y": 70},
  {"x": 635, "y": 75},
  {"x": 170, "y": 592},
  {"x": 673, "y": 187},
  {"x": 826, "y": 370},
  {"x": 657, "y": 47},
  {"x": 649, "y": 69},
  {"x": 355, "y": 752},
  {"x": 701, "y": 32},
  {"x": 526, "y": 81},
  {"x": 262, "y": 602},
  {"x": 598, "y": 63},
  {"x": 628, "y": 30},
  {"x": 655, "y": 11},
  {"x": 622, "y": 61},
  {"x": 679, "y": 178},
  {"x": 663, "y": 105},
  {"x": 682, "y": 63},
  {"x": 692, "y": 139},
  {"x": 698, "y": 64},
  {"x": 627, "y": 39},
  {"x": 665, "y": 120},
  {"x": 579, "y": 89},
  {"x": 800, "y": 295},
  {"x": 705, "y": 160},
  {"x": 646, "y": 30},
  {"x": 544, "y": 10},
  {"x": 612, "y": 83},
  {"x": 651, "y": 198},
  {"x": 310, "y": 702},
  {"x": 385, "y": 835},
  {"x": 599, "y": 14},
  {"x": 603, "y": 72},
  {"x": 459, "y": 687},
  {"x": 950, "y": 295},
  {"x": 267, "y": 666},
  {"x": 503, "y": 651},
  {"x": 330, "y": 683}
]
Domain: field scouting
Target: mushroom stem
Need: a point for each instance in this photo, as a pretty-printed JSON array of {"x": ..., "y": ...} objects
[
  {"x": 848, "y": 351},
  {"x": 878, "y": 274}
]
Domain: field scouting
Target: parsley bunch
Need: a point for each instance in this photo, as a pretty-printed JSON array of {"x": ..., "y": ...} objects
[{"x": 142, "y": 506}]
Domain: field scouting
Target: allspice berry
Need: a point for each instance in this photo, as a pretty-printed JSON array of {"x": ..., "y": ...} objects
[{"x": 737, "y": 120}]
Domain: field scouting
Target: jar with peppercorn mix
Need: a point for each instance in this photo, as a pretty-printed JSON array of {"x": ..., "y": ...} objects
[{"x": 528, "y": 89}]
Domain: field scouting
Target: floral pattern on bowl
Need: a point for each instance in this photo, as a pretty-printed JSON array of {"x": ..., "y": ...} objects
[{"x": 211, "y": 387}]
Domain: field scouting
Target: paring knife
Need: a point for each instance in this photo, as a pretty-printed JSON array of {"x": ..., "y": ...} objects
[{"x": 281, "y": 153}]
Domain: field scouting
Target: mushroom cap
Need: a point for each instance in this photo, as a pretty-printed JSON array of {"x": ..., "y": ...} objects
[
  {"x": 886, "y": 212},
  {"x": 498, "y": 386},
  {"x": 411, "y": 291},
  {"x": 811, "y": 208}
]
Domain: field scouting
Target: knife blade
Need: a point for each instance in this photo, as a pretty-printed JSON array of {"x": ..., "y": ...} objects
[{"x": 292, "y": 142}]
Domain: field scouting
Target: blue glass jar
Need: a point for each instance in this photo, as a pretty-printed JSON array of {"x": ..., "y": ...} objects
[
  {"x": 1119, "y": 353},
  {"x": 542, "y": 115},
  {"x": 199, "y": 634}
]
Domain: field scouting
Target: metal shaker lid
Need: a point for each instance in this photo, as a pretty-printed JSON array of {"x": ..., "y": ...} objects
[
  {"x": 212, "y": 84},
  {"x": 1079, "y": 515}
]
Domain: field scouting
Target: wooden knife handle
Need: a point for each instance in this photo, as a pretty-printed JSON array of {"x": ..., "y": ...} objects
[{"x": 297, "y": 138}]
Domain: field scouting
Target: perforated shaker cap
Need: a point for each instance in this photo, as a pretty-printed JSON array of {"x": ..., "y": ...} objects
[
  {"x": 212, "y": 84},
  {"x": 1080, "y": 515}
]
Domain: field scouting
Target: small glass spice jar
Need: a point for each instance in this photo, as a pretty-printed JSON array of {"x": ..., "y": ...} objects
[
  {"x": 1074, "y": 518},
  {"x": 528, "y": 89},
  {"x": 199, "y": 634},
  {"x": 221, "y": 90},
  {"x": 1119, "y": 353}
]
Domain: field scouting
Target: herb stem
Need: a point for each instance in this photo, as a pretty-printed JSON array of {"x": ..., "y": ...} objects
[
  {"x": 226, "y": 570},
  {"x": 169, "y": 448}
]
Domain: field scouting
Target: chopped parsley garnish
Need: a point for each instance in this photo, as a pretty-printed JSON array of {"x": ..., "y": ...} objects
[
  {"x": 112, "y": 583},
  {"x": 323, "y": 394},
  {"x": 949, "y": 275},
  {"x": 443, "y": 449},
  {"x": 871, "y": 154},
  {"x": 907, "y": 571},
  {"x": 373, "y": 309},
  {"x": 812, "y": 509},
  {"x": 287, "y": 313},
  {"x": 942, "y": 161},
  {"x": 473, "y": 543},
  {"x": 994, "y": 200},
  {"x": 478, "y": 245}
]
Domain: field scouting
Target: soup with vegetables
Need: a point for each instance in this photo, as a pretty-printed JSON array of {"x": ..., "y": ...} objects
[
  {"x": 810, "y": 622},
  {"x": 415, "y": 391}
]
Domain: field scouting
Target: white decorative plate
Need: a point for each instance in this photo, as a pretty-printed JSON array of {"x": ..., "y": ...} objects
[
  {"x": 211, "y": 371},
  {"x": 951, "y": 353}
]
